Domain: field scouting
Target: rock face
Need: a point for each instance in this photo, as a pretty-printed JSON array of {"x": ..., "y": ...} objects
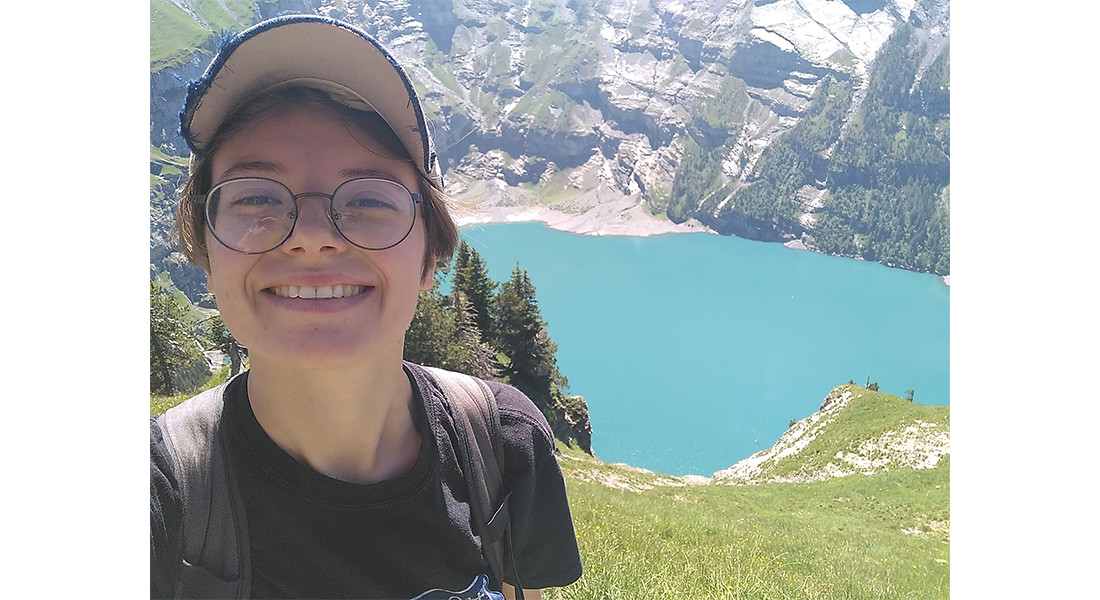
[
  {"x": 897, "y": 439},
  {"x": 606, "y": 92},
  {"x": 572, "y": 423}
]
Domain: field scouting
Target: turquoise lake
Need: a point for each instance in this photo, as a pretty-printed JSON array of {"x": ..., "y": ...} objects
[{"x": 695, "y": 351}]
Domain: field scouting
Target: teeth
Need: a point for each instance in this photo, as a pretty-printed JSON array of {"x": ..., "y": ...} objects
[{"x": 340, "y": 290}]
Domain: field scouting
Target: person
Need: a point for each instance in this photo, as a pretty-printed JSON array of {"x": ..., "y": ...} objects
[{"x": 315, "y": 205}]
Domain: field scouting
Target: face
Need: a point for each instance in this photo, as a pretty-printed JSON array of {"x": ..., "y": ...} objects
[{"x": 310, "y": 150}]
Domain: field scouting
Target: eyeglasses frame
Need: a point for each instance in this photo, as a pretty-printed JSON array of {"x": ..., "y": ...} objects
[{"x": 205, "y": 201}]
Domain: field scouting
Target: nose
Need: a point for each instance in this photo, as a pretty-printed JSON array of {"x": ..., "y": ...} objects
[{"x": 314, "y": 230}]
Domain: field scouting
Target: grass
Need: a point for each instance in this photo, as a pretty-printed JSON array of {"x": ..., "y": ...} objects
[
  {"x": 869, "y": 415},
  {"x": 560, "y": 55},
  {"x": 551, "y": 112},
  {"x": 174, "y": 35},
  {"x": 169, "y": 165},
  {"x": 723, "y": 108},
  {"x": 643, "y": 534},
  {"x": 556, "y": 193},
  {"x": 194, "y": 313},
  {"x": 158, "y": 404},
  {"x": 160, "y": 156},
  {"x": 843, "y": 57},
  {"x": 841, "y": 538}
]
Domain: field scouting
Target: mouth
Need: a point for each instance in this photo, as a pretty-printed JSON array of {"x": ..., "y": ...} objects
[{"x": 340, "y": 290}]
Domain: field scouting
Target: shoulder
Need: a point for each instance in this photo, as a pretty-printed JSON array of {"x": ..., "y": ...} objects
[
  {"x": 521, "y": 421},
  {"x": 514, "y": 402}
]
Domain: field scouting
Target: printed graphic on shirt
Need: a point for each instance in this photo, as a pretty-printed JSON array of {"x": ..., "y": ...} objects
[{"x": 478, "y": 590}]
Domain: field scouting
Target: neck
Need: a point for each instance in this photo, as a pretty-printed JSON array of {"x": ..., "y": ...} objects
[{"x": 355, "y": 424}]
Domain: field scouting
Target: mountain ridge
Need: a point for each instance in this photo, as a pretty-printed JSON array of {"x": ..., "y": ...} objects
[{"x": 636, "y": 117}]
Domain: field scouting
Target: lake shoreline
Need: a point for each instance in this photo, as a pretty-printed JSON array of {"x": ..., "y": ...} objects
[
  {"x": 627, "y": 224},
  {"x": 633, "y": 222}
]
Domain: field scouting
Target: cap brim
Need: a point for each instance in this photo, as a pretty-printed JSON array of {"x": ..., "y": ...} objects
[{"x": 317, "y": 52}]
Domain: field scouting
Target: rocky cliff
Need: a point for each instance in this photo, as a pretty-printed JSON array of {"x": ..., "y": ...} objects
[{"x": 585, "y": 108}]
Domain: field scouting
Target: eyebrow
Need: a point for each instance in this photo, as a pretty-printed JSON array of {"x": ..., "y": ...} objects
[
  {"x": 252, "y": 166},
  {"x": 355, "y": 173}
]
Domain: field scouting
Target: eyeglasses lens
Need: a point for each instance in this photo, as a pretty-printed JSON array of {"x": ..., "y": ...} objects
[
  {"x": 250, "y": 215},
  {"x": 373, "y": 213},
  {"x": 256, "y": 215}
]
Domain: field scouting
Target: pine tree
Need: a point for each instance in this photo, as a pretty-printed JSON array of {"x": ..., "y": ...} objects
[
  {"x": 477, "y": 357},
  {"x": 521, "y": 333},
  {"x": 462, "y": 259},
  {"x": 430, "y": 337},
  {"x": 171, "y": 347},
  {"x": 443, "y": 334},
  {"x": 471, "y": 277}
]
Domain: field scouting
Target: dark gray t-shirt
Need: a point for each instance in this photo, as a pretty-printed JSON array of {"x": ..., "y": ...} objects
[{"x": 312, "y": 536}]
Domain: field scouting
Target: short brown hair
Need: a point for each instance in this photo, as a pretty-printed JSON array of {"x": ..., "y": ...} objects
[{"x": 440, "y": 229}]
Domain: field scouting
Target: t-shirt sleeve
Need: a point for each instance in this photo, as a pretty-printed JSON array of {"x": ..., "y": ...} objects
[
  {"x": 543, "y": 540},
  {"x": 165, "y": 517}
]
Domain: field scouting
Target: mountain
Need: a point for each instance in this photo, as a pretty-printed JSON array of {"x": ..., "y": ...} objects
[{"x": 823, "y": 124}]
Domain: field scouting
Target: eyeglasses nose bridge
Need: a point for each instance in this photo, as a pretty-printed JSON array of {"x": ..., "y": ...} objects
[
  {"x": 308, "y": 194},
  {"x": 328, "y": 211}
]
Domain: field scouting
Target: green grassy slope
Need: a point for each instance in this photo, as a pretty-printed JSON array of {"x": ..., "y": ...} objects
[
  {"x": 859, "y": 431},
  {"x": 886, "y": 535},
  {"x": 648, "y": 535},
  {"x": 174, "y": 34}
]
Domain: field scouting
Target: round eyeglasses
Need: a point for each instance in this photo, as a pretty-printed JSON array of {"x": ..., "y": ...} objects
[{"x": 253, "y": 215}]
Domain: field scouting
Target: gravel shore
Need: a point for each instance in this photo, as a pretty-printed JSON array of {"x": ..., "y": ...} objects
[{"x": 600, "y": 220}]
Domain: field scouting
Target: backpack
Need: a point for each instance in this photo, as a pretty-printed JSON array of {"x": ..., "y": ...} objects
[{"x": 215, "y": 565}]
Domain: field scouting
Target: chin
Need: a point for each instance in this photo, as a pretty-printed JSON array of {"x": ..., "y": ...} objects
[{"x": 325, "y": 353}]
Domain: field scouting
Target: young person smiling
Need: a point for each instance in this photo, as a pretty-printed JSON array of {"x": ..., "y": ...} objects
[{"x": 314, "y": 203}]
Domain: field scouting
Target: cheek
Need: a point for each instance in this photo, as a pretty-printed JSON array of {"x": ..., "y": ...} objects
[
  {"x": 223, "y": 279},
  {"x": 406, "y": 260},
  {"x": 213, "y": 282},
  {"x": 409, "y": 269}
]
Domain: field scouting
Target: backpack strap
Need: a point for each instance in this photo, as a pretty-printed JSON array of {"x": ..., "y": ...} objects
[
  {"x": 214, "y": 564},
  {"x": 473, "y": 409}
]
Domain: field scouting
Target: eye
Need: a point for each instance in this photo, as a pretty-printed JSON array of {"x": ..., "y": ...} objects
[
  {"x": 255, "y": 200},
  {"x": 372, "y": 202},
  {"x": 248, "y": 195},
  {"x": 371, "y": 199}
]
